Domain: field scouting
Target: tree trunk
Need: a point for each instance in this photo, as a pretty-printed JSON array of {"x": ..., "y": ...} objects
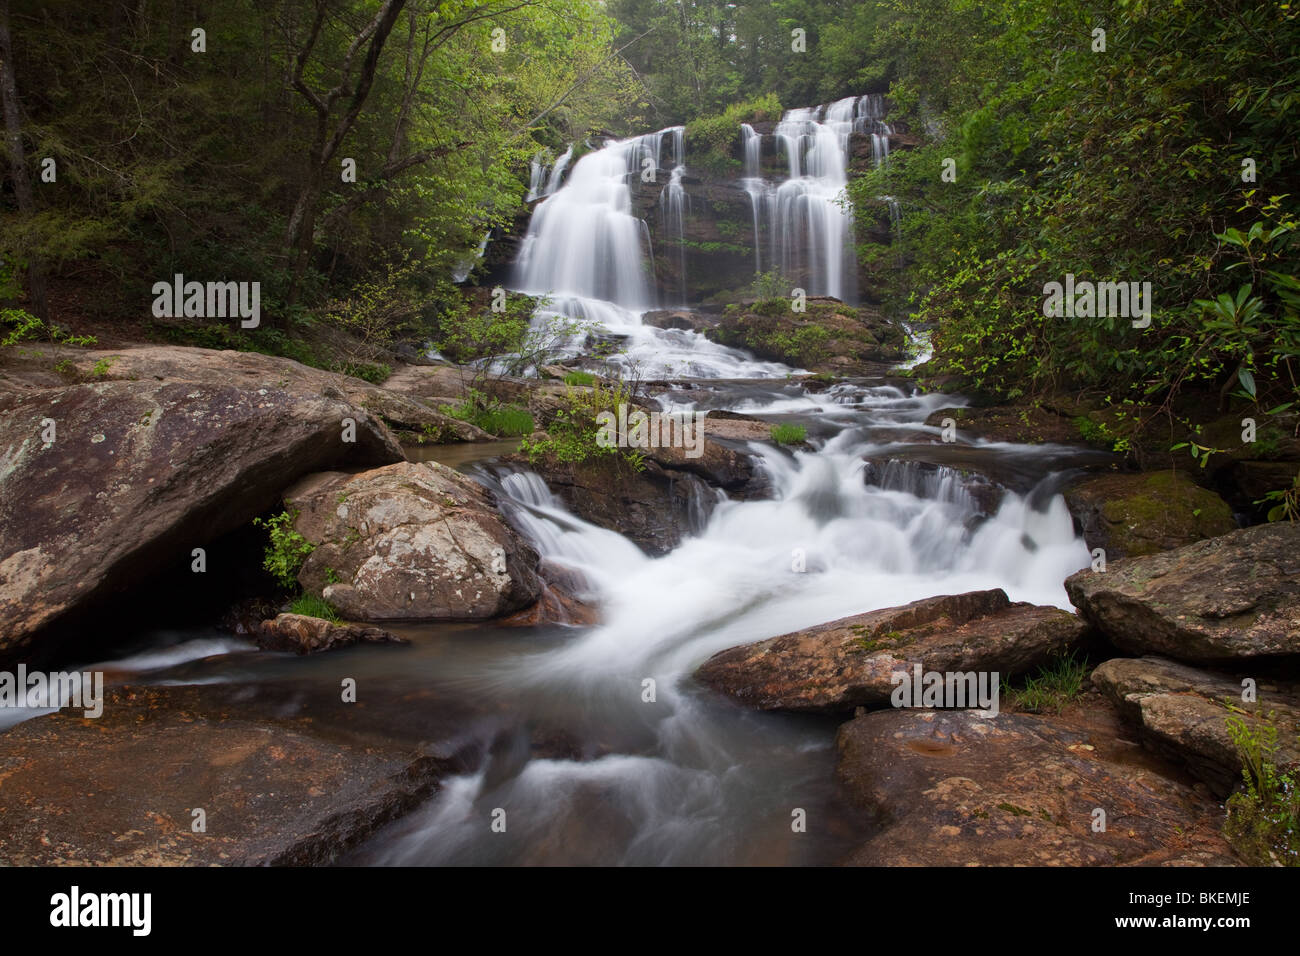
[{"x": 18, "y": 159}]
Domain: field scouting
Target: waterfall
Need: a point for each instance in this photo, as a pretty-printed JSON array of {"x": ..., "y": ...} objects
[
  {"x": 673, "y": 206},
  {"x": 808, "y": 214},
  {"x": 589, "y": 254}
]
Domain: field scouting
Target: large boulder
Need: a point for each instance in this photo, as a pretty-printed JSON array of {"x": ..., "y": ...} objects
[
  {"x": 835, "y": 667},
  {"x": 1183, "y": 714},
  {"x": 411, "y": 541},
  {"x": 1135, "y": 514},
  {"x": 954, "y": 788},
  {"x": 1232, "y": 597},
  {"x": 139, "y": 473},
  {"x": 123, "y": 789}
]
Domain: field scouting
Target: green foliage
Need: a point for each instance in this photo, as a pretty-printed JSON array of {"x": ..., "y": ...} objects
[
  {"x": 1109, "y": 166},
  {"x": 580, "y": 378},
  {"x": 173, "y": 162},
  {"x": 787, "y": 434},
  {"x": 312, "y": 605},
  {"x": 574, "y": 435},
  {"x": 286, "y": 550},
  {"x": 1263, "y": 822},
  {"x": 770, "y": 286},
  {"x": 1055, "y": 685},
  {"x": 712, "y": 141},
  {"x": 1284, "y": 503},
  {"x": 19, "y": 326}
]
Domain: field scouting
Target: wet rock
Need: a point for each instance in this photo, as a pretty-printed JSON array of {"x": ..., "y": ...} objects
[
  {"x": 1135, "y": 514},
  {"x": 411, "y": 541},
  {"x": 121, "y": 789},
  {"x": 310, "y": 635},
  {"x": 733, "y": 426},
  {"x": 927, "y": 479},
  {"x": 1236, "y": 596},
  {"x": 1182, "y": 713},
  {"x": 140, "y": 473},
  {"x": 1009, "y": 423},
  {"x": 835, "y": 667},
  {"x": 655, "y": 508},
  {"x": 830, "y": 336},
  {"x": 953, "y": 788}
]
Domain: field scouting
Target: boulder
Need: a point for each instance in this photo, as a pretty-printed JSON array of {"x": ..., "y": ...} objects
[
  {"x": 1236, "y": 596},
  {"x": 954, "y": 788},
  {"x": 142, "y": 472},
  {"x": 121, "y": 789},
  {"x": 411, "y": 541},
  {"x": 1135, "y": 514},
  {"x": 835, "y": 667},
  {"x": 1182, "y": 713},
  {"x": 655, "y": 508},
  {"x": 829, "y": 336},
  {"x": 309, "y": 635}
]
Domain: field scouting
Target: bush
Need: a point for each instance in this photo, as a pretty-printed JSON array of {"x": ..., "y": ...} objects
[
  {"x": 287, "y": 549},
  {"x": 580, "y": 378},
  {"x": 572, "y": 435},
  {"x": 711, "y": 141}
]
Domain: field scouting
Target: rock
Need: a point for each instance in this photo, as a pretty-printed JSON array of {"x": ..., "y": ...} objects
[
  {"x": 1236, "y": 596},
  {"x": 671, "y": 319},
  {"x": 309, "y": 635},
  {"x": 1009, "y": 423},
  {"x": 927, "y": 479},
  {"x": 1135, "y": 514},
  {"x": 411, "y": 541},
  {"x": 813, "y": 339},
  {"x": 1183, "y": 711},
  {"x": 951, "y": 787},
  {"x": 142, "y": 472},
  {"x": 835, "y": 667},
  {"x": 119, "y": 790},
  {"x": 733, "y": 426},
  {"x": 655, "y": 508}
]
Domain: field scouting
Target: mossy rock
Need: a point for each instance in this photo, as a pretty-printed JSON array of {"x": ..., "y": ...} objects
[{"x": 1145, "y": 513}]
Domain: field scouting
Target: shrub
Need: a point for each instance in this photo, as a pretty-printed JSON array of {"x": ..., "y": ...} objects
[
  {"x": 572, "y": 435},
  {"x": 287, "y": 549},
  {"x": 580, "y": 378}
]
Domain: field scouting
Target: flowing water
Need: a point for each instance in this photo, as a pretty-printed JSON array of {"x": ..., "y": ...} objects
[{"x": 596, "y": 745}]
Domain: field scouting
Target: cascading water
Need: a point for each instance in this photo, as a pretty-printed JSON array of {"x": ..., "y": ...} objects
[
  {"x": 597, "y": 743},
  {"x": 808, "y": 215},
  {"x": 687, "y": 777},
  {"x": 588, "y": 253}
]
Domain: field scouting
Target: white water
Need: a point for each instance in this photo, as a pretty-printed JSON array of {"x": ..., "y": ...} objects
[
  {"x": 589, "y": 254},
  {"x": 700, "y": 777}
]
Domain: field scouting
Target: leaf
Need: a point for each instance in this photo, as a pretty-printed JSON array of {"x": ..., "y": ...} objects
[{"x": 1247, "y": 380}]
